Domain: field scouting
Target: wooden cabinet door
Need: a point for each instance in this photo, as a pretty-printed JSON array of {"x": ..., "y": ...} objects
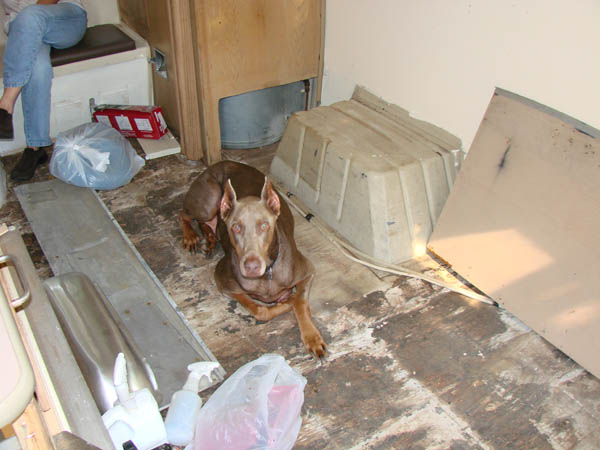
[
  {"x": 215, "y": 49},
  {"x": 246, "y": 45}
]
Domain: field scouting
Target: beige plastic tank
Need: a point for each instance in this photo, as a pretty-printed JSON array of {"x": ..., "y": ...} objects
[{"x": 373, "y": 173}]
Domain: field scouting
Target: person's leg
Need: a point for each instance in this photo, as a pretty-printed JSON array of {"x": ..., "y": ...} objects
[
  {"x": 7, "y": 104},
  {"x": 22, "y": 46},
  {"x": 60, "y": 26},
  {"x": 66, "y": 25},
  {"x": 35, "y": 100},
  {"x": 9, "y": 98}
]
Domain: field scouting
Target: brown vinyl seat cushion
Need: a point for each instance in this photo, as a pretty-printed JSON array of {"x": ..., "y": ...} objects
[{"x": 99, "y": 40}]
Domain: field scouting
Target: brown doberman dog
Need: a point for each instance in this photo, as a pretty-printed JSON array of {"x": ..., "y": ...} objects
[{"x": 262, "y": 267}]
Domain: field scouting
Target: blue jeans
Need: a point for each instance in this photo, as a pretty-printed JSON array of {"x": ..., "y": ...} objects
[{"x": 27, "y": 60}]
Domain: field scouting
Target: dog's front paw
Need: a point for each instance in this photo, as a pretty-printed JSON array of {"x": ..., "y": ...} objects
[
  {"x": 190, "y": 243},
  {"x": 262, "y": 314},
  {"x": 210, "y": 240},
  {"x": 211, "y": 244},
  {"x": 314, "y": 343}
]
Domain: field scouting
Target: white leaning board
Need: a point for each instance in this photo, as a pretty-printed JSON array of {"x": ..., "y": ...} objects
[{"x": 522, "y": 222}]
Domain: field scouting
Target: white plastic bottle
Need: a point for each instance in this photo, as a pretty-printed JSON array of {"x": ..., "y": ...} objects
[
  {"x": 135, "y": 417},
  {"x": 180, "y": 422}
]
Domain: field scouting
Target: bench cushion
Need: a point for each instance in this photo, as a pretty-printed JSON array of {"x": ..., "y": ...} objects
[{"x": 99, "y": 40}]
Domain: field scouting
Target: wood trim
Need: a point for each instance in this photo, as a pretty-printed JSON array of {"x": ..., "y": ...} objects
[
  {"x": 30, "y": 429},
  {"x": 69, "y": 397},
  {"x": 135, "y": 17},
  {"x": 211, "y": 150},
  {"x": 318, "y": 89},
  {"x": 8, "y": 431},
  {"x": 182, "y": 32},
  {"x": 48, "y": 401}
]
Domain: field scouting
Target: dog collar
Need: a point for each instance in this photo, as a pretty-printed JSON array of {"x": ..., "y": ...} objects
[{"x": 269, "y": 269}]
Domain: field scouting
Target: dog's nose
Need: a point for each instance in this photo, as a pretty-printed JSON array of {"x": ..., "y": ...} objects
[{"x": 252, "y": 267}]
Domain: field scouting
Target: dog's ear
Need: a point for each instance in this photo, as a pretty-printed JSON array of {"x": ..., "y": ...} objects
[
  {"x": 270, "y": 197},
  {"x": 228, "y": 200}
]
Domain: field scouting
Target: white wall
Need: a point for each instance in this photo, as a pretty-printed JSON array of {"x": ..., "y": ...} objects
[
  {"x": 101, "y": 11},
  {"x": 441, "y": 60}
]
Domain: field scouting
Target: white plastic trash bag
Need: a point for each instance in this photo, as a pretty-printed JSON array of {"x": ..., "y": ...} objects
[
  {"x": 94, "y": 155},
  {"x": 258, "y": 407}
]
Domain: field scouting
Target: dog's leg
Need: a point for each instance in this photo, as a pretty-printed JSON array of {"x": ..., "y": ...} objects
[
  {"x": 190, "y": 237},
  {"x": 209, "y": 229},
  {"x": 311, "y": 337},
  {"x": 201, "y": 204},
  {"x": 191, "y": 240},
  {"x": 262, "y": 313}
]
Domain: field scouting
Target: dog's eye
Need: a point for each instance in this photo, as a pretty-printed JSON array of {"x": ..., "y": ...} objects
[
  {"x": 236, "y": 228},
  {"x": 264, "y": 226}
]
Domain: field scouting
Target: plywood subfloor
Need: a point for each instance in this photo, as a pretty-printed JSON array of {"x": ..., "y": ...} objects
[{"x": 409, "y": 366}]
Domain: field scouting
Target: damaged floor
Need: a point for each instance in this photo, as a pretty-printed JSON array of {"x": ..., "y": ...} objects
[{"x": 409, "y": 365}]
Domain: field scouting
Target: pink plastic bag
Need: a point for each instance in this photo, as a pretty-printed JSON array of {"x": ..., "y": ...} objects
[{"x": 258, "y": 407}]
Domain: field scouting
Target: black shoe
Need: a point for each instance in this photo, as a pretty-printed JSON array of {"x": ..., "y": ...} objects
[
  {"x": 6, "y": 126},
  {"x": 29, "y": 161}
]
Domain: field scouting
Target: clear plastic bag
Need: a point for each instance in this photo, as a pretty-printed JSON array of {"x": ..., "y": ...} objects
[
  {"x": 94, "y": 155},
  {"x": 258, "y": 407}
]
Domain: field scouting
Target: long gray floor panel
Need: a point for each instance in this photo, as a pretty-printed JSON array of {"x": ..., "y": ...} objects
[{"x": 77, "y": 233}]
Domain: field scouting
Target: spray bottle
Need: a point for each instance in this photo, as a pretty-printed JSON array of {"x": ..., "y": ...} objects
[
  {"x": 136, "y": 416},
  {"x": 180, "y": 422}
]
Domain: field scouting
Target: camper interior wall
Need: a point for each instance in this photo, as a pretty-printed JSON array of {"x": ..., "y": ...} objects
[
  {"x": 442, "y": 60},
  {"x": 101, "y": 11}
]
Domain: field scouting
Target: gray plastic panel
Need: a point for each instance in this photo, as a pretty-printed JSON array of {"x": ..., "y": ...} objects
[{"x": 379, "y": 178}]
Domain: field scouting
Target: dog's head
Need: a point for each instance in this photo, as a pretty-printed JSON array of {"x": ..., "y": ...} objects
[{"x": 251, "y": 225}]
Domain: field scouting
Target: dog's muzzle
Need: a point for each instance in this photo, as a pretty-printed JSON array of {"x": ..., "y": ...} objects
[{"x": 252, "y": 266}]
